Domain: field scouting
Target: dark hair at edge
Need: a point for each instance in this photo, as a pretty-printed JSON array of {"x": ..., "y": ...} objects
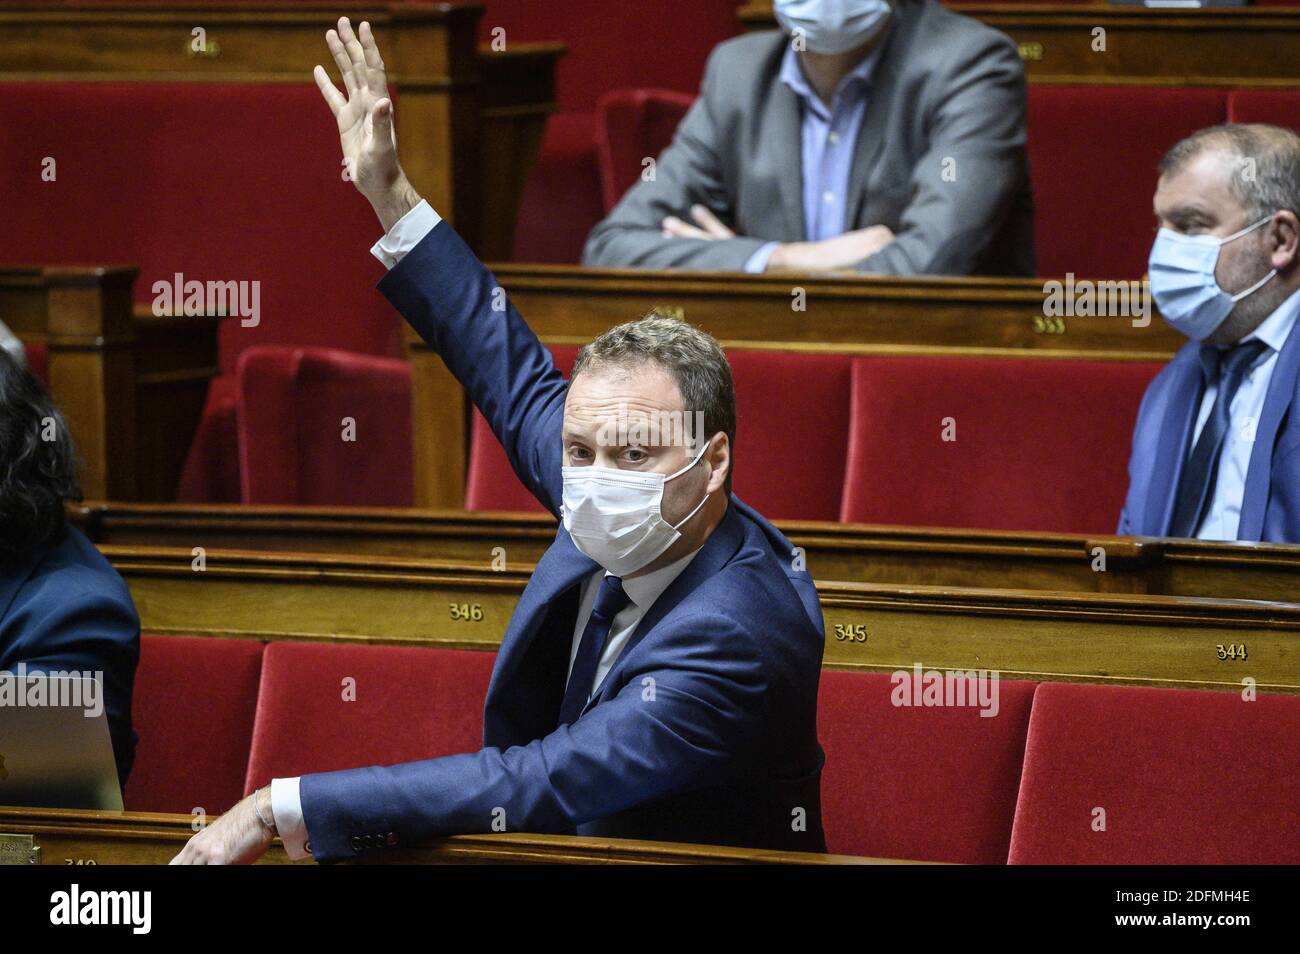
[{"x": 37, "y": 475}]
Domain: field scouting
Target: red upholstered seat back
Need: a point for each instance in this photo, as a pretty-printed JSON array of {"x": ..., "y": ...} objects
[
  {"x": 1281, "y": 107},
  {"x": 192, "y": 707},
  {"x": 1183, "y": 777},
  {"x": 916, "y": 782},
  {"x": 217, "y": 181},
  {"x": 1039, "y": 444},
  {"x": 296, "y": 445},
  {"x": 792, "y": 415},
  {"x": 1093, "y": 152},
  {"x": 492, "y": 483},
  {"x": 326, "y": 707},
  {"x": 632, "y": 125}
]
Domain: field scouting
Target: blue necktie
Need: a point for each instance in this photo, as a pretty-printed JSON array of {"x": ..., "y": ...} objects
[
  {"x": 1197, "y": 484},
  {"x": 610, "y": 601}
]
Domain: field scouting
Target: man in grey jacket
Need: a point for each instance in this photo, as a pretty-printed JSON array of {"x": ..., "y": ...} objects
[{"x": 886, "y": 136}]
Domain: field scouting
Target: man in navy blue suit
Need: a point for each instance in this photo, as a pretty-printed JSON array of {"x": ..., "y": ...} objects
[
  {"x": 1216, "y": 450},
  {"x": 659, "y": 677},
  {"x": 63, "y": 608}
]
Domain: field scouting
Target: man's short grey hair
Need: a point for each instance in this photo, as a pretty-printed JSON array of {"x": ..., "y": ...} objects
[
  {"x": 691, "y": 356},
  {"x": 1267, "y": 174}
]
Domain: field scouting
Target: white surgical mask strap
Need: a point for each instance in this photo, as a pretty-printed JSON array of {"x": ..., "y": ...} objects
[
  {"x": 1255, "y": 287},
  {"x": 1247, "y": 230},
  {"x": 1263, "y": 281},
  {"x": 682, "y": 522},
  {"x": 690, "y": 465}
]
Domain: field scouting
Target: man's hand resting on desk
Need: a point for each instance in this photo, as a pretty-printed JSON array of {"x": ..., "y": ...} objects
[
  {"x": 828, "y": 255},
  {"x": 832, "y": 254},
  {"x": 238, "y": 837},
  {"x": 365, "y": 119}
]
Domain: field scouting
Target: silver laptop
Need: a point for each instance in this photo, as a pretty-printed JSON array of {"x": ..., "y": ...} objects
[{"x": 55, "y": 750}]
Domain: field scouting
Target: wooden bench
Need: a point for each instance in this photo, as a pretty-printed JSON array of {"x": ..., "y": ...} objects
[
  {"x": 52, "y": 836},
  {"x": 1023, "y": 634},
  {"x": 834, "y": 551}
]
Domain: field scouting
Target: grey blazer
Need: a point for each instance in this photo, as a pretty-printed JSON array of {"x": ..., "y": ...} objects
[{"x": 946, "y": 88}]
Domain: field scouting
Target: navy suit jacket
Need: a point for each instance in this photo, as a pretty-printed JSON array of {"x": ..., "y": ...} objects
[
  {"x": 1162, "y": 441},
  {"x": 705, "y": 728},
  {"x": 64, "y": 608}
]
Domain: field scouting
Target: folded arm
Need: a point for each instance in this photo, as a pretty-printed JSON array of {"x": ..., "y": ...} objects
[{"x": 687, "y": 173}]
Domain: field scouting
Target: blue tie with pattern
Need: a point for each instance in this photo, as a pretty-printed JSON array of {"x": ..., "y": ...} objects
[
  {"x": 610, "y": 601},
  {"x": 1196, "y": 487}
]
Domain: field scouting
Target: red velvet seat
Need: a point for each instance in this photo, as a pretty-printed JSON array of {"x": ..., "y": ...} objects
[
  {"x": 1093, "y": 152},
  {"x": 1040, "y": 444},
  {"x": 922, "y": 783},
  {"x": 406, "y": 704},
  {"x": 792, "y": 410},
  {"x": 633, "y": 124},
  {"x": 492, "y": 483},
  {"x": 324, "y": 426},
  {"x": 607, "y": 49},
  {"x": 1183, "y": 777},
  {"x": 561, "y": 200},
  {"x": 1281, "y": 107},
  {"x": 319, "y": 426},
  {"x": 192, "y": 707}
]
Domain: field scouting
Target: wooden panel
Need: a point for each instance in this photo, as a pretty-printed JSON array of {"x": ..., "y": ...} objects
[
  {"x": 131, "y": 386},
  {"x": 857, "y": 553},
  {"x": 1123, "y": 638},
  {"x": 67, "y": 837},
  {"x": 1217, "y": 46},
  {"x": 858, "y": 315}
]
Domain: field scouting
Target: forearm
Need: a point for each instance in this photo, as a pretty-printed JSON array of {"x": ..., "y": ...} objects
[
  {"x": 617, "y": 245},
  {"x": 394, "y": 203}
]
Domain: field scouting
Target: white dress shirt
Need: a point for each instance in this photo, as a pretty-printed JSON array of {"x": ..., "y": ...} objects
[
  {"x": 286, "y": 802},
  {"x": 1224, "y": 512}
]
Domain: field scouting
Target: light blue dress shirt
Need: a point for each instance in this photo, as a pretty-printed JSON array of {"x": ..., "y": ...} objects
[
  {"x": 1224, "y": 513},
  {"x": 828, "y": 140}
]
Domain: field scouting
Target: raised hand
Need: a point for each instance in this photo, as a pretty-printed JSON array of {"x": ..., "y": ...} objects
[{"x": 365, "y": 121}]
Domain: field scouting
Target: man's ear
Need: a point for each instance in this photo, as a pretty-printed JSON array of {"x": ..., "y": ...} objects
[
  {"x": 719, "y": 458},
  {"x": 1286, "y": 246}
]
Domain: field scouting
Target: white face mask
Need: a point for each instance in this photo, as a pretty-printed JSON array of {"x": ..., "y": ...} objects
[
  {"x": 614, "y": 515},
  {"x": 831, "y": 26},
  {"x": 1181, "y": 274}
]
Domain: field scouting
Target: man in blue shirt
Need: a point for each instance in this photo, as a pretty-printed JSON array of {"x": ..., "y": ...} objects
[{"x": 886, "y": 136}]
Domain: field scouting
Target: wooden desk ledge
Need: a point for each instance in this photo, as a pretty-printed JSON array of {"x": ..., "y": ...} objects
[{"x": 66, "y": 836}]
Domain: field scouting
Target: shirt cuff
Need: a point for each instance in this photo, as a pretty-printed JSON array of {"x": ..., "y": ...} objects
[
  {"x": 757, "y": 263},
  {"x": 405, "y": 234},
  {"x": 286, "y": 812}
]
